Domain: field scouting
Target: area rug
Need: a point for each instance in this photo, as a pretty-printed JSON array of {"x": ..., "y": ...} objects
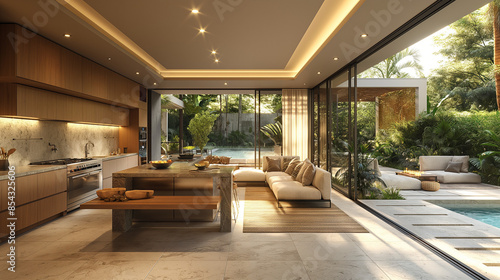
[{"x": 262, "y": 215}]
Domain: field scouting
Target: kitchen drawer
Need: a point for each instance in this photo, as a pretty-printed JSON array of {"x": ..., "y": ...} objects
[
  {"x": 3, "y": 195},
  {"x": 26, "y": 189},
  {"x": 52, "y": 182},
  {"x": 51, "y": 206}
]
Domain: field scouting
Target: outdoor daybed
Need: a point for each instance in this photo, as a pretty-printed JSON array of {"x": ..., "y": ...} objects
[
  {"x": 392, "y": 180},
  {"x": 449, "y": 169},
  {"x": 289, "y": 182}
]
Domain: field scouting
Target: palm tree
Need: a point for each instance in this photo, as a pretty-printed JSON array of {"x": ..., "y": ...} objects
[
  {"x": 495, "y": 14},
  {"x": 397, "y": 65}
]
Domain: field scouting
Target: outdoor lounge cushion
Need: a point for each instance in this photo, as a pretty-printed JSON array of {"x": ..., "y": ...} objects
[
  {"x": 401, "y": 182},
  {"x": 293, "y": 190},
  {"x": 249, "y": 175},
  {"x": 455, "y": 178},
  {"x": 454, "y": 167},
  {"x": 428, "y": 163}
]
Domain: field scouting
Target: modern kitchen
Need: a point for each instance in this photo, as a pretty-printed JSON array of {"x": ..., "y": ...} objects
[{"x": 72, "y": 123}]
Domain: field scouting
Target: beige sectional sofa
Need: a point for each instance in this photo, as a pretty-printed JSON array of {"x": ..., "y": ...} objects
[
  {"x": 437, "y": 165},
  {"x": 283, "y": 185}
]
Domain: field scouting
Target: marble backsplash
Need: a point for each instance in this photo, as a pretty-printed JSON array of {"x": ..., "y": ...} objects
[{"x": 69, "y": 138}]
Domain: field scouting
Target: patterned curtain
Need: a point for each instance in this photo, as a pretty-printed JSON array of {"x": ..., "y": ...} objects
[{"x": 295, "y": 123}]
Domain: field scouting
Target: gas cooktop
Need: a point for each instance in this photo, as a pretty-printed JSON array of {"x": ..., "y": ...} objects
[{"x": 63, "y": 161}]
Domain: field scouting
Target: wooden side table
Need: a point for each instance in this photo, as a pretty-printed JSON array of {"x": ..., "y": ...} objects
[{"x": 430, "y": 186}]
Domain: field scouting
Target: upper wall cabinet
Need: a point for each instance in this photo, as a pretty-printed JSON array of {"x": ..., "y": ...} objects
[{"x": 47, "y": 65}]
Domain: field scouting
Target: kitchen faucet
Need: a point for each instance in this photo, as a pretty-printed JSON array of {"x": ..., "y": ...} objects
[{"x": 87, "y": 148}]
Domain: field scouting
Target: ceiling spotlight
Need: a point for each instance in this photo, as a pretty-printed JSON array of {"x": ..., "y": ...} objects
[
  {"x": 304, "y": 83},
  {"x": 137, "y": 73},
  {"x": 319, "y": 73},
  {"x": 216, "y": 61},
  {"x": 225, "y": 84},
  {"x": 154, "y": 84},
  {"x": 364, "y": 35},
  {"x": 109, "y": 58},
  {"x": 335, "y": 58},
  {"x": 202, "y": 30},
  {"x": 214, "y": 52},
  {"x": 67, "y": 35},
  {"x": 194, "y": 11}
]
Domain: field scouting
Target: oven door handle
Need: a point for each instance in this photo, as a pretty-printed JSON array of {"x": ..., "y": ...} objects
[
  {"x": 94, "y": 172},
  {"x": 78, "y": 176}
]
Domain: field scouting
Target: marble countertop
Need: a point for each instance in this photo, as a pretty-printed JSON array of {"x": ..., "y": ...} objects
[
  {"x": 105, "y": 158},
  {"x": 177, "y": 169},
  {"x": 31, "y": 170}
]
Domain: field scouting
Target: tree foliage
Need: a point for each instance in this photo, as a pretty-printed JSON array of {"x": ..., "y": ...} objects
[
  {"x": 398, "y": 66},
  {"x": 200, "y": 127},
  {"x": 468, "y": 73}
]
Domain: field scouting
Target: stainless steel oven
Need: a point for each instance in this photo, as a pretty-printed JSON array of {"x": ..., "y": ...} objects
[{"x": 84, "y": 179}]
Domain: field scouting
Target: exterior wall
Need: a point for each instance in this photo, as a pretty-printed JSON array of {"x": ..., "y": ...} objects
[{"x": 69, "y": 139}]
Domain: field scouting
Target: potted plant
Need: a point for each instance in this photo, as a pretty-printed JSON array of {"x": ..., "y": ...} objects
[
  {"x": 200, "y": 127},
  {"x": 275, "y": 132},
  {"x": 4, "y": 158}
]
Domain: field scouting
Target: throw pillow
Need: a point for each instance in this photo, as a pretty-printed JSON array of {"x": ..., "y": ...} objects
[
  {"x": 296, "y": 171},
  {"x": 465, "y": 162},
  {"x": 291, "y": 166},
  {"x": 453, "y": 167},
  {"x": 273, "y": 164},
  {"x": 285, "y": 161},
  {"x": 308, "y": 176},
  {"x": 307, "y": 163}
]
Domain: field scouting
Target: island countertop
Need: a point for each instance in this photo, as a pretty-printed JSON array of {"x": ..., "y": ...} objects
[{"x": 177, "y": 169}]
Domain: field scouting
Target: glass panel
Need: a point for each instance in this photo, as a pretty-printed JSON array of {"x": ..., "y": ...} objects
[
  {"x": 315, "y": 129},
  {"x": 271, "y": 138},
  {"x": 323, "y": 126},
  {"x": 339, "y": 97}
]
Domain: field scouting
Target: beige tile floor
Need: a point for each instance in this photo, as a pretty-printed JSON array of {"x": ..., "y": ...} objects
[{"x": 82, "y": 246}]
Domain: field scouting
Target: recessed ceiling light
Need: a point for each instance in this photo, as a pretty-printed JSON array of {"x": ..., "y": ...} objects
[
  {"x": 216, "y": 60},
  {"x": 202, "y": 30},
  {"x": 225, "y": 84},
  {"x": 109, "y": 58},
  {"x": 214, "y": 52},
  {"x": 304, "y": 83},
  {"x": 195, "y": 11},
  {"x": 154, "y": 84},
  {"x": 319, "y": 73},
  {"x": 67, "y": 35},
  {"x": 335, "y": 58},
  {"x": 364, "y": 35},
  {"x": 137, "y": 73}
]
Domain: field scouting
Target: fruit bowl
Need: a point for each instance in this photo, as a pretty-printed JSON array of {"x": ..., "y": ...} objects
[
  {"x": 200, "y": 166},
  {"x": 161, "y": 164}
]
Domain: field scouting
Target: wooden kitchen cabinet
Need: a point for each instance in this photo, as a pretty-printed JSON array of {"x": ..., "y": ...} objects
[
  {"x": 71, "y": 70},
  {"x": 26, "y": 215},
  {"x": 51, "y": 206},
  {"x": 26, "y": 189},
  {"x": 95, "y": 80},
  {"x": 3, "y": 194},
  {"x": 52, "y": 182},
  {"x": 114, "y": 165}
]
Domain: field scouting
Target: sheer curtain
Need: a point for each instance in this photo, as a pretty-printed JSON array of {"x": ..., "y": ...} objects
[{"x": 295, "y": 123}]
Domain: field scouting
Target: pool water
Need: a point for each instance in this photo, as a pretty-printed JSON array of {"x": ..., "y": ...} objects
[
  {"x": 488, "y": 215},
  {"x": 241, "y": 153}
]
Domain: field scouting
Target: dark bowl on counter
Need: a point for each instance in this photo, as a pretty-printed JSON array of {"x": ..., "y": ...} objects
[{"x": 161, "y": 165}]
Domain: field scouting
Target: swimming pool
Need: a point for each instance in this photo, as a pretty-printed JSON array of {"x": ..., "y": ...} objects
[
  {"x": 487, "y": 211},
  {"x": 243, "y": 153}
]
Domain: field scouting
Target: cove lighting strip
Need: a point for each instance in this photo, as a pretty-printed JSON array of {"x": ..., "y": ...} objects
[{"x": 331, "y": 16}]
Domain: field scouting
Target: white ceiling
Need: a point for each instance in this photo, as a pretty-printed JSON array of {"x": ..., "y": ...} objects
[{"x": 251, "y": 34}]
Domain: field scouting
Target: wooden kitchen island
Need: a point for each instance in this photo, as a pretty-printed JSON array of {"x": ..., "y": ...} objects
[{"x": 180, "y": 179}]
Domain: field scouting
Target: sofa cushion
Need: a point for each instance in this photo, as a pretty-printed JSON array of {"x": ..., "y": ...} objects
[
  {"x": 455, "y": 178},
  {"x": 273, "y": 164},
  {"x": 306, "y": 164},
  {"x": 293, "y": 190},
  {"x": 323, "y": 182},
  {"x": 274, "y": 179},
  {"x": 401, "y": 182},
  {"x": 285, "y": 161},
  {"x": 464, "y": 160},
  {"x": 308, "y": 176},
  {"x": 264, "y": 161},
  {"x": 249, "y": 175},
  {"x": 434, "y": 162},
  {"x": 454, "y": 167},
  {"x": 291, "y": 167},
  {"x": 296, "y": 171},
  {"x": 274, "y": 173}
]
